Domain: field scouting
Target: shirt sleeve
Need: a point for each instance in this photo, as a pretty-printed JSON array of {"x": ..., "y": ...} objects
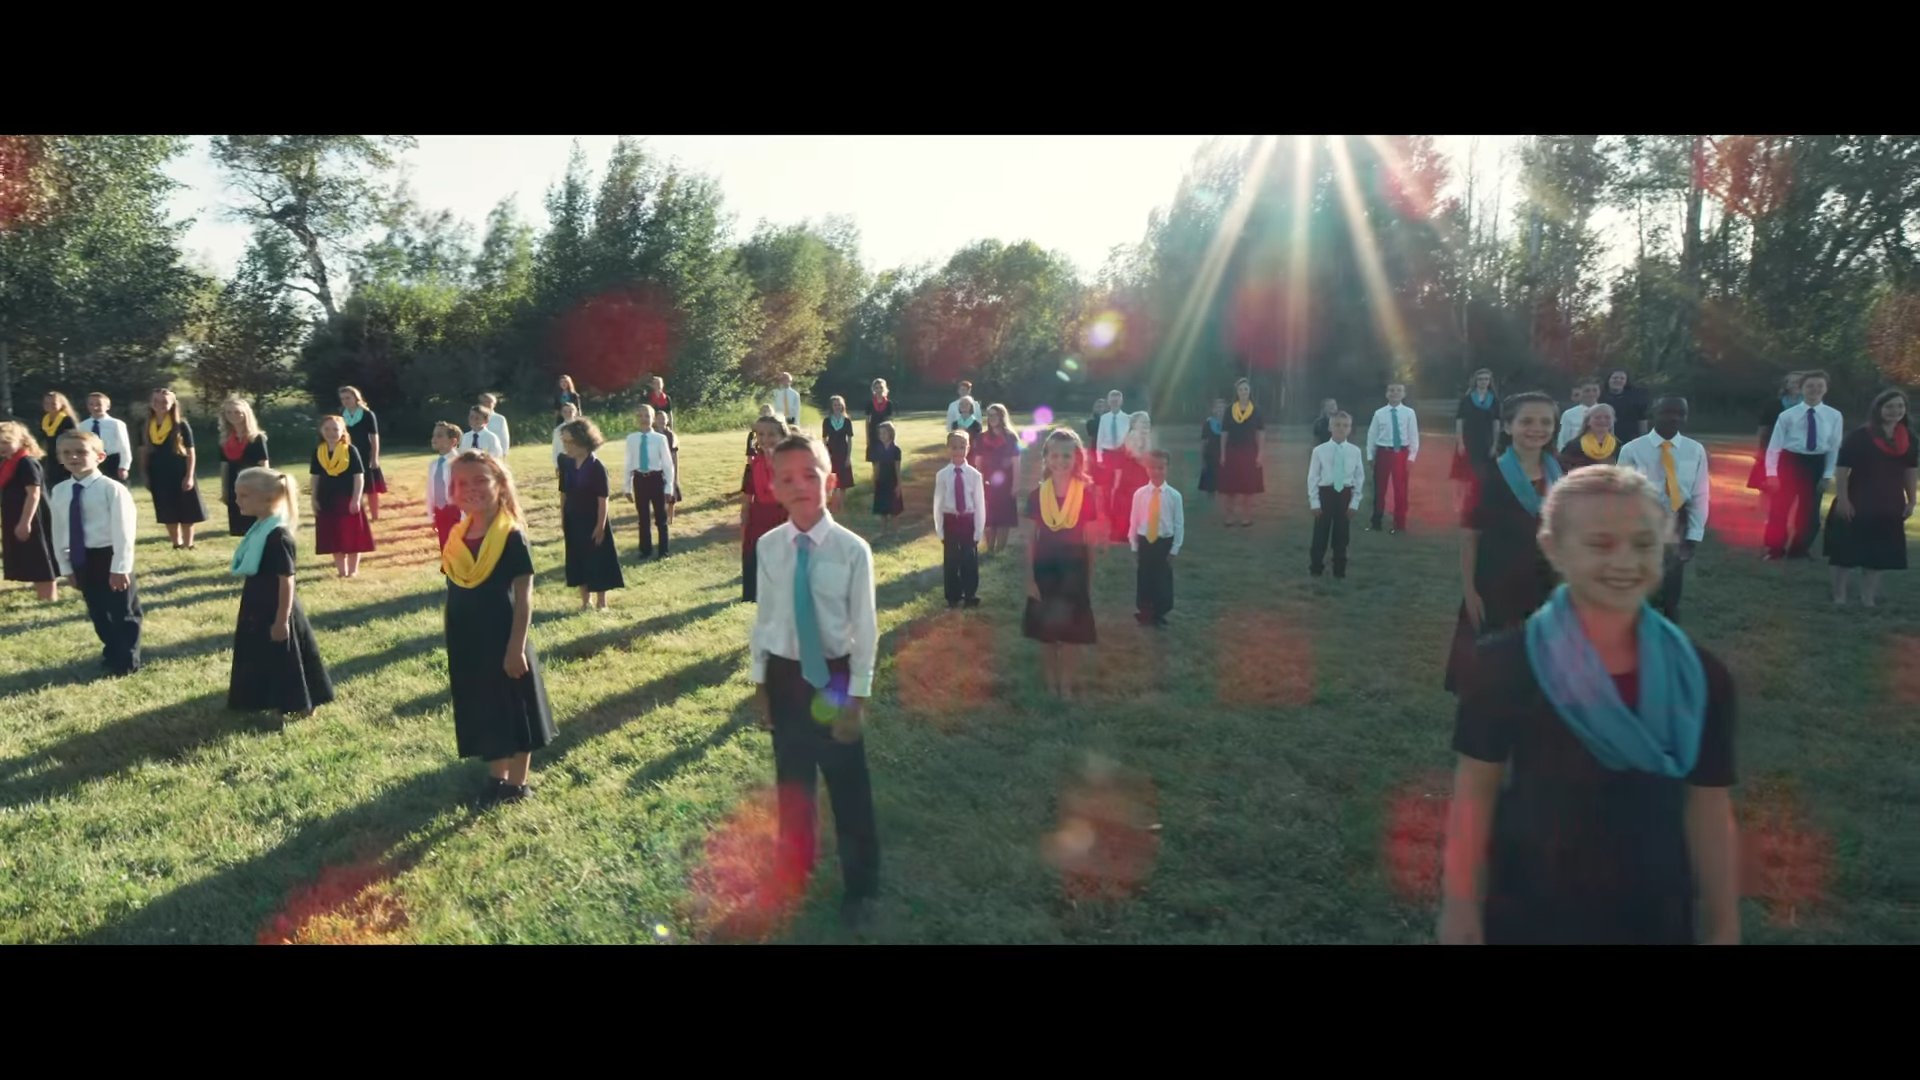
[
  {"x": 763, "y": 615},
  {"x": 666, "y": 465},
  {"x": 276, "y": 557},
  {"x": 373, "y": 424},
  {"x": 863, "y": 610},
  {"x": 1359, "y": 481},
  {"x": 1833, "y": 453},
  {"x": 1413, "y": 436},
  {"x": 940, "y": 482},
  {"x": 1774, "y": 445},
  {"x": 977, "y": 496},
  {"x": 1136, "y": 516},
  {"x": 1715, "y": 765},
  {"x": 1373, "y": 434},
  {"x": 1177, "y": 506},
  {"x": 186, "y": 436},
  {"x": 629, "y": 461},
  {"x": 120, "y": 525},
  {"x": 517, "y": 558},
  {"x": 1313, "y": 479},
  {"x": 257, "y": 450},
  {"x": 60, "y": 513},
  {"x": 313, "y": 466},
  {"x": 356, "y": 465},
  {"x": 1487, "y": 719}
]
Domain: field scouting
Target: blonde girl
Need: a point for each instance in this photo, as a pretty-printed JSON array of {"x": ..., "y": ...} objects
[
  {"x": 170, "y": 461},
  {"x": 276, "y": 658},
  {"x": 363, "y": 428},
  {"x": 26, "y": 520},
  {"x": 56, "y": 419},
  {"x": 243, "y": 446},
  {"x": 837, "y": 432},
  {"x": 1060, "y": 556},
  {"x": 340, "y": 526}
]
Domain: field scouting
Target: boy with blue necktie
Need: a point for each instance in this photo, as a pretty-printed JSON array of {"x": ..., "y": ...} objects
[
  {"x": 93, "y": 526},
  {"x": 1393, "y": 445},
  {"x": 1334, "y": 482}
]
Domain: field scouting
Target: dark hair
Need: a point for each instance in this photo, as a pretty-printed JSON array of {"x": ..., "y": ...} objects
[
  {"x": 1510, "y": 407},
  {"x": 1162, "y": 457},
  {"x": 583, "y": 433},
  {"x": 1664, "y": 398},
  {"x": 1816, "y": 373},
  {"x": 1880, "y": 402}
]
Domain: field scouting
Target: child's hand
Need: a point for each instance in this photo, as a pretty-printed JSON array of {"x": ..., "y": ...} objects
[
  {"x": 353, "y": 507},
  {"x": 1842, "y": 508},
  {"x": 1316, "y": 511},
  {"x": 516, "y": 664},
  {"x": 846, "y": 725},
  {"x": 1033, "y": 590},
  {"x": 599, "y": 533},
  {"x": 280, "y": 632},
  {"x": 119, "y": 582},
  {"x": 23, "y": 530},
  {"x": 186, "y": 482}
]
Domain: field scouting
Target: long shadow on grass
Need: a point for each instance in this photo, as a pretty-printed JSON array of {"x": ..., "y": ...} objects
[
  {"x": 155, "y": 735},
  {"x": 230, "y": 906}
]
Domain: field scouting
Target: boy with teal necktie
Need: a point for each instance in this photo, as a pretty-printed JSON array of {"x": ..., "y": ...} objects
[{"x": 1335, "y": 477}]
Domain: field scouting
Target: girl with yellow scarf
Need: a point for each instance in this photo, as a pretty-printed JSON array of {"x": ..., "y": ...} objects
[
  {"x": 340, "y": 527},
  {"x": 1060, "y": 557}
]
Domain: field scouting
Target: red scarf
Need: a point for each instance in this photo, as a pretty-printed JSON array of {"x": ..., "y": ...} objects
[
  {"x": 8, "y": 466},
  {"x": 657, "y": 399},
  {"x": 763, "y": 479},
  {"x": 1898, "y": 448},
  {"x": 992, "y": 440},
  {"x": 879, "y": 404},
  {"x": 233, "y": 448}
]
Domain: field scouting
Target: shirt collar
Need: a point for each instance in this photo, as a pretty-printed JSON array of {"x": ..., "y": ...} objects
[
  {"x": 87, "y": 481},
  {"x": 820, "y": 531}
]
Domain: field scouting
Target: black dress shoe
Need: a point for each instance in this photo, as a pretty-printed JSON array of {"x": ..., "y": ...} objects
[{"x": 856, "y": 916}]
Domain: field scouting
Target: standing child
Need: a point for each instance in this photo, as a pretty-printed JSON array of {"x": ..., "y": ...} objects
[
  {"x": 1094, "y": 420},
  {"x": 786, "y": 400},
  {"x": 26, "y": 513},
  {"x": 1157, "y": 529},
  {"x": 960, "y": 520},
  {"x": 170, "y": 462},
  {"x": 1335, "y": 479},
  {"x": 500, "y": 710},
  {"x": 55, "y": 421},
  {"x": 276, "y": 659},
  {"x": 1128, "y": 465},
  {"x": 1393, "y": 445},
  {"x": 1242, "y": 474},
  {"x": 760, "y": 509},
  {"x": 650, "y": 480},
  {"x": 815, "y": 639},
  {"x": 340, "y": 526},
  {"x": 479, "y": 435},
  {"x": 753, "y": 430},
  {"x": 1476, "y": 430},
  {"x": 997, "y": 456},
  {"x": 962, "y": 392},
  {"x": 1323, "y": 424},
  {"x": 1596, "y": 445},
  {"x": 93, "y": 529},
  {"x": 887, "y": 500},
  {"x": 497, "y": 423},
  {"x": 440, "y": 507},
  {"x": 1873, "y": 498},
  {"x": 1504, "y": 575},
  {"x": 1212, "y": 434},
  {"x": 242, "y": 446},
  {"x": 879, "y": 411},
  {"x": 1591, "y": 802},
  {"x": 837, "y": 431},
  {"x": 1787, "y": 397},
  {"x": 658, "y": 398},
  {"x": 593, "y": 566},
  {"x": 565, "y": 394},
  {"x": 967, "y": 418},
  {"x": 113, "y": 434},
  {"x": 1059, "y": 612},
  {"x": 663, "y": 424},
  {"x": 1586, "y": 394},
  {"x": 562, "y": 464},
  {"x": 1677, "y": 466},
  {"x": 363, "y": 427},
  {"x": 1800, "y": 461}
]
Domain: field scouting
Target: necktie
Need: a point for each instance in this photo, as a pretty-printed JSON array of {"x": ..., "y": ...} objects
[
  {"x": 96, "y": 426},
  {"x": 1674, "y": 494},
  {"x": 643, "y": 452},
  {"x": 959, "y": 493},
  {"x": 806, "y": 625},
  {"x": 1339, "y": 467},
  {"x": 1153, "y": 517},
  {"x": 77, "y": 529},
  {"x": 476, "y": 440},
  {"x": 1813, "y": 432},
  {"x": 1393, "y": 414}
]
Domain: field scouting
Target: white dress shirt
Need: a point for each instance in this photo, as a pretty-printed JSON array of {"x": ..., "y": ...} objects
[
  {"x": 1173, "y": 516},
  {"x": 659, "y": 459},
  {"x": 106, "y": 512},
  {"x": 1571, "y": 422},
  {"x": 482, "y": 440},
  {"x": 1113, "y": 431},
  {"x": 113, "y": 437},
  {"x": 1333, "y": 459},
  {"x": 976, "y": 486},
  {"x": 841, "y": 577},
  {"x": 440, "y": 495},
  {"x": 786, "y": 404},
  {"x": 498, "y": 425},
  {"x": 1790, "y": 434},
  {"x": 1380, "y": 434},
  {"x": 559, "y": 451},
  {"x": 953, "y": 412},
  {"x": 1689, "y": 463}
]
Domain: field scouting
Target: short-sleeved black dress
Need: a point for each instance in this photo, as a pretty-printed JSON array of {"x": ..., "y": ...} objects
[
  {"x": 1242, "y": 474},
  {"x": 362, "y": 435},
  {"x": 589, "y": 565},
  {"x": 887, "y": 500},
  {"x": 998, "y": 458},
  {"x": 877, "y": 414},
  {"x": 494, "y": 716},
  {"x": 839, "y": 449},
  {"x": 1063, "y": 573},
  {"x": 1476, "y": 435},
  {"x": 166, "y": 470},
  {"x": 1510, "y": 572},
  {"x": 337, "y": 530},
  {"x": 30, "y": 559},
  {"x": 1581, "y": 854},
  {"x": 286, "y": 676},
  {"x": 1876, "y": 538},
  {"x": 252, "y": 454}
]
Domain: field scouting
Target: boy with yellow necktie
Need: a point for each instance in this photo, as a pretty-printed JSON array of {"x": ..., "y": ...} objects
[
  {"x": 1677, "y": 466},
  {"x": 1159, "y": 527}
]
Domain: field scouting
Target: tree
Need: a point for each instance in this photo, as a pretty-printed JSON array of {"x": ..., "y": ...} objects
[{"x": 253, "y": 328}]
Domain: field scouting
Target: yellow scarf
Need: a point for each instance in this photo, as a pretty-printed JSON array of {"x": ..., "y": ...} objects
[
  {"x": 1057, "y": 515},
  {"x": 1241, "y": 411},
  {"x": 335, "y": 458},
  {"x": 50, "y": 423},
  {"x": 461, "y": 565},
  {"x": 158, "y": 428},
  {"x": 1598, "y": 451}
]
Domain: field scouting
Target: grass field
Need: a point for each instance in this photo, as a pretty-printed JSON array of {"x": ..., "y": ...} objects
[{"x": 1272, "y": 769}]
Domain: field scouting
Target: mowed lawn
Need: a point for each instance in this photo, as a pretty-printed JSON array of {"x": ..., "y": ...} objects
[{"x": 1274, "y": 768}]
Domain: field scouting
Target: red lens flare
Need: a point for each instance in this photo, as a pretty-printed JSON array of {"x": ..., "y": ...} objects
[
  {"x": 609, "y": 341},
  {"x": 1739, "y": 513},
  {"x": 1751, "y": 175},
  {"x": 1263, "y": 662},
  {"x": 1108, "y": 836},
  {"x": 1416, "y": 829},
  {"x": 944, "y": 668},
  {"x": 25, "y": 195},
  {"x": 1785, "y": 862},
  {"x": 1903, "y": 669},
  {"x": 743, "y": 890},
  {"x": 346, "y": 905}
]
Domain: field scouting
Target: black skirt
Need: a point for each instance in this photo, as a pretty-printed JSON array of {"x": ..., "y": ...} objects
[
  {"x": 285, "y": 676},
  {"x": 30, "y": 559},
  {"x": 1870, "y": 543},
  {"x": 166, "y": 471},
  {"x": 494, "y": 716},
  {"x": 591, "y": 566}
]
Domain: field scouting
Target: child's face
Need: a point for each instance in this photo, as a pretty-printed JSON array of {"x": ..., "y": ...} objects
[
  {"x": 1894, "y": 411},
  {"x": 657, "y": 383},
  {"x": 660, "y": 422},
  {"x": 97, "y": 406},
  {"x": 956, "y": 451},
  {"x": 786, "y": 380},
  {"x": 160, "y": 403},
  {"x": 839, "y": 408},
  {"x": 1396, "y": 394},
  {"x": 332, "y": 431},
  {"x": 474, "y": 490},
  {"x": 1617, "y": 381},
  {"x": 1590, "y": 394},
  {"x": 1813, "y": 391},
  {"x": 442, "y": 443},
  {"x": 1482, "y": 383},
  {"x": 1341, "y": 428},
  {"x": 8, "y": 447},
  {"x": 1329, "y": 407},
  {"x": 231, "y": 414},
  {"x": 1793, "y": 387},
  {"x": 966, "y": 411},
  {"x": 476, "y": 421},
  {"x": 79, "y": 458},
  {"x": 252, "y": 501},
  {"x": 644, "y": 417},
  {"x": 1060, "y": 457},
  {"x": 1608, "y": 549},
  {"x": 1532, "y": 427},
  {"x": 1099, "y": 406},
  {"x": 573, "y": 449},
  {"x": 769, "y": 434},
  {"x": 1600, "y": 423},
  {"x": 800, "y": 482},
  {"x": 348, "y": 399},
  {"x": 1114, "y": 401},
  {"x": 1219, "y": 409},
  {"x": 48, "y": 404},
  {"x": 1156, "y": 471},
  {"x": 568, "y": 414},
  {"x": 1243, "y": 391}
]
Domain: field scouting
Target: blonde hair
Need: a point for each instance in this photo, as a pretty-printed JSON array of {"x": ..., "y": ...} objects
[
  {"x": 486, "y": 414},
  {"x": 879, "y": 384},
  {"x": 1006, "y": 418},
  {"x": 1599, "y": 480},
  {"x": 885, "y": 428},
  {"x": 967, "y": 404},
  {"x": 837, "y": 400},
  {"x": 336, "y": 418},
  {"x": 173, "y": 413},
  {"x": 250, "y": 426},
  {"x": 105, "y": 401},
  {"x": 1586, "y": 422},
  {"x": 490, "y": 400},
  {"x": 965, "y": 439},
  {"x": 61, "y": 404},
  {"x": 355, "y": 391},
  {"x": 16, "y": 433},
  {"x": 502, "y": 479},
  {"x": 79, "y": 435},
  {"x": 766, "y": 412},
  {"x": 1139, "y": 437},
  {"x": 285, "y": 488}
]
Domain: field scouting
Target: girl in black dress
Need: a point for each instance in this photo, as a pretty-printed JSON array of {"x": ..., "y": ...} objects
[
  {"x": 837, "y": 432},
  {"x": 879, "y": 411},
  {"x": 340, "y": 526},
  {"x": 276, "y": 659},
  {"x": 168, "y": 457},
  {"x": 26, "y": 522},
  {"x": 969, "y": 419},
  {"x": 57, "y": 420},
  {"x": 1596, "y": 444},
  {"x": 500, "y": 709},
  {"x": 1505, "y": 577},
  {"x": 593, "y": 566},
  {"x": 567, "y": 395},
  {"x": 1591, "y": 802},
  {"x": 1241, "y": 452},
  {"x": 243, "y": 446},
  {"x": 1060, "y": 556},
  {"x": 663, "y": 424},
  {"x": 1476, "y": 428},
  {"x": 998, "y": 458},
  {"x": 1630, "y": 404},
  {"x": 1873, "y": 484},
  {"x": 364, "y": 429},
  {"x": 1212, "y": 438},
  {"x": 1788, "y": 397},
  {"x": 1323, "y": 424},
  {"x": 887, "y": 501},
  {"x": 562, "y": 464}
]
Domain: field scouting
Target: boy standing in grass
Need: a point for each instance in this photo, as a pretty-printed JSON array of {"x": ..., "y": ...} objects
[
  {"x": 1158, "y": 528},
  {"x": 1335, "y": 479},
  {"x": 497, "y": 423},
  {"x": 93, "y": 527},
  {"x": 1393, "y": 445},
  {"x": 960, "y": 520},
  {"x": 440, "y": 505},
  {"x": 814, "y": 640},
  {"x": 1677, "y": 466}
]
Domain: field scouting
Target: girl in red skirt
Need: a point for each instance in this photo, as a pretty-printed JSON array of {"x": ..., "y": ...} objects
[
  {"x": 760, "y": 511},
  {"x": 340, "y": 526},
  {"x": 1129, "y": 473}
]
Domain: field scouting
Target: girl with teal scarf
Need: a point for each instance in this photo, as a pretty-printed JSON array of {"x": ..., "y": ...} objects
[
  {"x": 276, "y": 659},
  {"x": 1592, "y": 798}
]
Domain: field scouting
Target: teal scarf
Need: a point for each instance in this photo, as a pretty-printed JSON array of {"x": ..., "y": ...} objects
[
  {"x": 1788, "y": 401},
  {"x": 246, "y": 556},
  {"x": 1521, "y": 486},
  {"x": 1479, "y": 402},
  {"x": 1214, "y": 423},
  {"x": 839, "y": 422},
  {"x": 1662, "y": 737},
  {"x": 353, "y": 416}
]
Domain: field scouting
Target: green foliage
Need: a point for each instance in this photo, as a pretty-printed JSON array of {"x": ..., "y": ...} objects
[{"x": 253, "y": 329}]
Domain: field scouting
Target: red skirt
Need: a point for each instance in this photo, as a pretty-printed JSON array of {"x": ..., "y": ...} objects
[
  {"x": 444, "y": 519},
  {"x": 336, "y": 532},
  {"x": 762, "y": 518}
]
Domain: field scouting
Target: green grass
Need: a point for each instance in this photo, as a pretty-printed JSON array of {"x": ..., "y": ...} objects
[{"x": 1281, "y": 752}]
